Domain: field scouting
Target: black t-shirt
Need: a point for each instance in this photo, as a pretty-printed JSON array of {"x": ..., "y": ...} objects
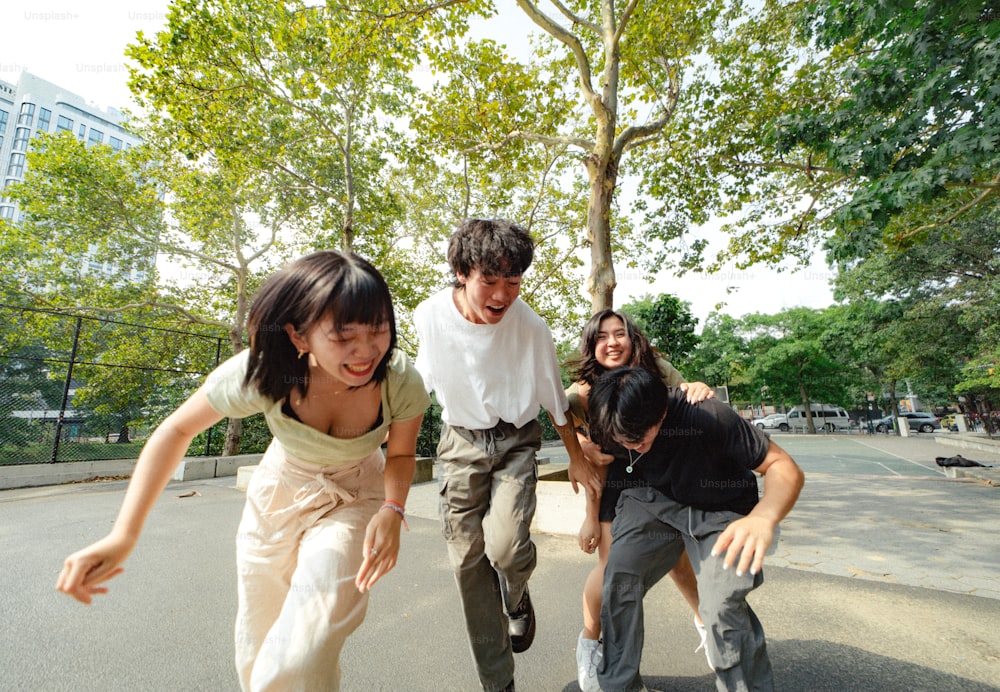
[{"x": 703, "y": 457}]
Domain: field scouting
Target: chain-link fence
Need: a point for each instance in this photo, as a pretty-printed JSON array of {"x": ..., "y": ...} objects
[{"x": 79, "y": 388}]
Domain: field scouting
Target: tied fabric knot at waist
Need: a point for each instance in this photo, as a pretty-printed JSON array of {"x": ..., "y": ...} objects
[
  {"x": 313, "y": 491},
  {"x": 320, "y": 495}
]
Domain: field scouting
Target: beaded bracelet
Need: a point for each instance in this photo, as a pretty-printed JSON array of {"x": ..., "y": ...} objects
[{"x": 398, "y": 509}]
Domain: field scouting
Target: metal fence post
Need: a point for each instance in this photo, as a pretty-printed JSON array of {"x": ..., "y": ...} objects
[
  {"x": 66, "y": 387},
  {"x": 208, "y": 436}
]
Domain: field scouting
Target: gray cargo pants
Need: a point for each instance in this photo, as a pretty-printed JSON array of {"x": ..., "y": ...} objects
[
  {"x": 488, "y": 481},
  {"x": 648, "y": 534}
]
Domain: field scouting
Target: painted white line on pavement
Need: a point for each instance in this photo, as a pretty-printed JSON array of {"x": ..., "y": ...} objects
[
  {"x": 915, "y": 463},
  {"x": 879, "y": 463}
]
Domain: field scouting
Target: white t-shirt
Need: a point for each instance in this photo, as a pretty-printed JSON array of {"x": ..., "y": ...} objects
[{"x": 485, "y": 373}]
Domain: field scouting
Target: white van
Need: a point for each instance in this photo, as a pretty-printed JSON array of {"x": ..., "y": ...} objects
[{"x": 825, "y": 417}]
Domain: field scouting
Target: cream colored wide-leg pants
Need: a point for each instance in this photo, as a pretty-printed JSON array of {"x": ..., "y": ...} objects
[{"x": 298, "y": 550}]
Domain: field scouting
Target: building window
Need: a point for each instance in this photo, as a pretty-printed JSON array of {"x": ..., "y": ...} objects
[
  {"x": 15, "y": 168},
  {"x": 115, "y": 143},
  {"x": 27, "y": 116},
  {"x": 64, "y": 124},
  {"x": 6, "y": 212},
  {"x": 44, "y": 118},
  {"x": 21, "y": 137},
  {"x": 96, "y": 137},
  {"x": 82, "y": 131},
  {"x": 3, "y": 125}
]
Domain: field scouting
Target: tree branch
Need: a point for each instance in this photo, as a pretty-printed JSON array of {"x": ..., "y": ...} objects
[
  {"x": 576, "y": 19},
  {"x": 636, "y": 135},
  {"x": 805, "y": 168},
  {"x": 571, "y": 42},
  {"x": 624, "y": 19},
  {"x": 584, "y": 144},
  {"x": 980, "y": 198}
]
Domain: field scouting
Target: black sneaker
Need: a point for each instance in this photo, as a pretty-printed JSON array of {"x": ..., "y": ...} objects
[{"x": 521, "y": 625}]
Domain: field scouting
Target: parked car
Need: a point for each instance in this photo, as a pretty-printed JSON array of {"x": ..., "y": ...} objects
[
  {"x": 825, "y": 417},
  {"x": 921, "y": 421},
  {"x": 775, "y": 420}
]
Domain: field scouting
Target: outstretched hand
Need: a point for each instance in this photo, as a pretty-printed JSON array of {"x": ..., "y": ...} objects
[
  {"x": 380, "y": 549},
  {"x": 86, "y": 570},
  {"x": 744, "y": 542}
]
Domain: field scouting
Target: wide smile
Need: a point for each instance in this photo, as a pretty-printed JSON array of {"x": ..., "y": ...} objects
[{"x": 360, "y": 369}]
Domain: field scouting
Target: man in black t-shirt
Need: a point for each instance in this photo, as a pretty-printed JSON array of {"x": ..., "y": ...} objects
[{"x": 695, "y": 465}]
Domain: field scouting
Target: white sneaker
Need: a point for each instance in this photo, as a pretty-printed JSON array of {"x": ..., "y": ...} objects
[
  {"x": 703, "y": 633},
  {"x": 589, "y": 653}
]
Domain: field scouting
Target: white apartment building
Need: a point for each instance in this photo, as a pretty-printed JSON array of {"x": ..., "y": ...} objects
[{"x": 34, "y": 105}]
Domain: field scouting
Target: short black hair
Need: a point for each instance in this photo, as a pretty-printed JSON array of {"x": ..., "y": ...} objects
[
  {"x": 340, "y": 284},
  {"x": 496, "y": 247},
  {"x": 624, "y": 404}
]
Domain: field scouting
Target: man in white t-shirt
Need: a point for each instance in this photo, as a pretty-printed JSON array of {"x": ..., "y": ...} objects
[{"x": 491, "y": 361}]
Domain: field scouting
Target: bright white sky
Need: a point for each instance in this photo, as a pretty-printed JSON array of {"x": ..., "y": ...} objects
[{"x": 80, "y": 45}]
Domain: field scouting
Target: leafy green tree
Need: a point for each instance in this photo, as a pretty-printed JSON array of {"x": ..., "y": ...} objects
[
  {"x": 793, "y": 360},
  {"x": 943, "y": 298},
  {"x": 831, "y": 119},
  {"x": 720, "y": 358},
  {"x": 668, "y": 324},
  {"x": 301, "y": 98},
  {"x": 719, "y": 159},
  {"x": 110, "y": 207},
  {"x": 603, "y": 82},
  {"x": 917, "y": 120}
]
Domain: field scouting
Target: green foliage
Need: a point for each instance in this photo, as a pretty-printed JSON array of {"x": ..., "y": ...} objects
[
  {"x": 833, "y": 119},
  {"x": 921, "y": 115},
  {"x": 717, "y": 162},
  {"x": 946, "y": 300},
  {"x": 81, "y": 202},
  {"x": 720, "y": 356},
  {"x": 602, "y": 82},
  {"x": 430, "y": 430},
  {"x": 668, "y": 323}
]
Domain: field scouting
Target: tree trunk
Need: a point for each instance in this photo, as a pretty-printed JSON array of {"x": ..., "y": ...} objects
[
  {"x": 807, "y": 405},
  {"x": 123, "y": 435},
  {"x": 602, "y": 282},
  {"x": 234, "y": 428},
  {"x": 234, "y": 433}
]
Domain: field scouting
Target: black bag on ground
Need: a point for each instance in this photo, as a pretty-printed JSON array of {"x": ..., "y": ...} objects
[{"x": 957, "y": 460}]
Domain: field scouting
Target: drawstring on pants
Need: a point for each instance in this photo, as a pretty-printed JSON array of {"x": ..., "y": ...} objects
[{"x": 490, "y": 438}]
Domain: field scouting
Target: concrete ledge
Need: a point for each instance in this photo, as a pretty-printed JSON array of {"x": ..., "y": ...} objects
[
  {"x": 969, "y": 441},
  {"x": 989, "y": 475},
  {"x": 200, "y": 468},
  {"x": 425, "y": 470},
  {"x": 976, "y": 443},
  {"x": 34, "y": 475},
  {"x": 559, "y": 509},
  {"x": 243, "y": 476},
  {"x": 190, "y": 469}
]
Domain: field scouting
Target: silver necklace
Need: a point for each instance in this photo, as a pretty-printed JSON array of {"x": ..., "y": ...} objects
[{"x": 632, "y": 462}]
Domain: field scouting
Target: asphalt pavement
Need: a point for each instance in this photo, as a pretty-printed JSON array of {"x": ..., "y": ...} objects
[{"x": 886, "y": 577}]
